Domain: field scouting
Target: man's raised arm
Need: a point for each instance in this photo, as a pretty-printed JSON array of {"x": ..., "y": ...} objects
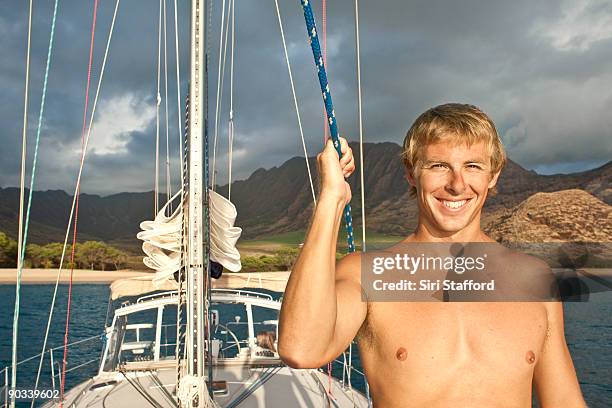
[{"x": 322, "y": 306}]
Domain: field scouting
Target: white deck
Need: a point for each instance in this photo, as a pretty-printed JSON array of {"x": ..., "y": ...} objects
[{"x": 286, "y": 388}]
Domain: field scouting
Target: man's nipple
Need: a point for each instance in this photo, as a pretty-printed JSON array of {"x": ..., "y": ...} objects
[
  {"x": 401, "y": 354},
  {"x": 530, "y": 357}
]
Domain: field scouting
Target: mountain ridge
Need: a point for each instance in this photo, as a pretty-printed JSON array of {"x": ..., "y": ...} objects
[{"x": 279, "y": 199}]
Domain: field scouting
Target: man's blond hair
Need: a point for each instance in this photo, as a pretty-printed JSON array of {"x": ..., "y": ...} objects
[{"x": 455, "y": 123}]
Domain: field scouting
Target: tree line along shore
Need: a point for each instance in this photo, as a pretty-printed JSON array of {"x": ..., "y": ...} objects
[
  {"x": 98, "y": 255},
  {"x": 87, "y": 255}
]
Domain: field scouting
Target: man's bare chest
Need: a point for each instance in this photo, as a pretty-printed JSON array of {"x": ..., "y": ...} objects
[{"x": 428, "y": 336}]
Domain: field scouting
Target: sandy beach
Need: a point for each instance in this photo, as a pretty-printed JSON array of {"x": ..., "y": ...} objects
[{"x": 46, "y": 276}]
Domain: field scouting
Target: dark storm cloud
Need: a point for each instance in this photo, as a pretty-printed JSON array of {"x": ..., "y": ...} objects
[{"x": 541, "y": 69}]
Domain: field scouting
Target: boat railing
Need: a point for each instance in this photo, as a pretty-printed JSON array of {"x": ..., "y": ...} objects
[
  {"x": 345, "y": 376},
  {"x": 237, "y": 292},
  {"x": 241, "y": 292},
  {"x": 338, "y": 361},
  {"x": 51, "y": 372},
  {"x": 159, "y": 295}
]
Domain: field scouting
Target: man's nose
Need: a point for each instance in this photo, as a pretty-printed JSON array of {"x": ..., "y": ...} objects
[{"x": 456, "y": 183}]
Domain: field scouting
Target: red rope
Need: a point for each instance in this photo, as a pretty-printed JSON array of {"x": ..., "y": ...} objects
[{"x": 76, "y": 210}]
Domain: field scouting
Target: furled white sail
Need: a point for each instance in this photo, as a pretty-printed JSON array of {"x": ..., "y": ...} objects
[
  {"x": 162, "y": 242},
  {"x": 162, "y": 238},
  {"x": 223, "y": 233}
]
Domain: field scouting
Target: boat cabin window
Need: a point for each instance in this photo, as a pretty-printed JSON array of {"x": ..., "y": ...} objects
[
  {"x": 232, "y": 336},
  {"x": 167, "y": 344},
  {"x": 115, "y": 338},
  {"x": 139, "y": 339},
  {"x": 230, "y": 331},
  {"x": 265, "y": 325},
  {"x": 136, "y": 337},
  {"x": 150, "y": 334}
]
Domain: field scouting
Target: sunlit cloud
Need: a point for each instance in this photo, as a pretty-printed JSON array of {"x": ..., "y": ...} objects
[
  {"x": 118, "y": 118},
  {"x": 583, "y": 23}
]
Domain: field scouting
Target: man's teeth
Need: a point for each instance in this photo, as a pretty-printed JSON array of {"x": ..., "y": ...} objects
[{"x": 454, "y": 204}]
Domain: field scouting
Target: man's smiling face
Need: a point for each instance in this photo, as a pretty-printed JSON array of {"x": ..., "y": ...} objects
[{"x": 452, "y": 182}]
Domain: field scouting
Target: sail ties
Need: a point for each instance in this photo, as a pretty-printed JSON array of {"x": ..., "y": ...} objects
[{"x": 162, "y": 237}]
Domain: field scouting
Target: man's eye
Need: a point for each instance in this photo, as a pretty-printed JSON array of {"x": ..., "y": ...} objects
[
  {"x": 438, "y": 166},
  {"x": 475, "y": 166}
]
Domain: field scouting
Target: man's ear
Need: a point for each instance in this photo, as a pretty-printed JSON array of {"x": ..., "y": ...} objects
[
  {"x": 410, "y": 178},
  {"x": 493, "y": 181}
]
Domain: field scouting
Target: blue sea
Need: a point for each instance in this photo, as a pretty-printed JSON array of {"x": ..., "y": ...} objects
[{"x": 588, "y": 327}]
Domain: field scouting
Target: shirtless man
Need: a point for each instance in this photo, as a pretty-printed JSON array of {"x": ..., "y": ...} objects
[{"x": 426, "y": 354}]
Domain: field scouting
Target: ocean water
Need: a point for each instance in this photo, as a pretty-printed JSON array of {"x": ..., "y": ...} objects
[{"x": 588, "y": 327}]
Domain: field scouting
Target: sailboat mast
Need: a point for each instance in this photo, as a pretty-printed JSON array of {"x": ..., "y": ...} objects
[{"x": 197, "y": 249}]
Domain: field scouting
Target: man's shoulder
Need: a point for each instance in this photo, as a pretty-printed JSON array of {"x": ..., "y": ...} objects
[
  {"x": 358, "y": 256},
  {"x": 351, "y": 264},
  {"x": 524, "y": 260},
  {"x": 525, "y": 276}
]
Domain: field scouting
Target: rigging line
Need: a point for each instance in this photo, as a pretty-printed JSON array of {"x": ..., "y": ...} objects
[
  {"x": 324, "y": 23},
  {"x": 157, "y": 103},
  {"x": 207, "y": 48},
  {"x": 27, "y": 219},
  {"x": 295, "y": 102},
  {"x": 23, "y": 165},
  {"x": 331, "y": 400},
  {"x": 359, "y": 105},
  {"x": 81, "y": 170},
  {"x": 265, "y": 376},
  {"x": 325, "y": 137},
  {"x": 22, "y": 178},
  {"x": 138, "y": 387},
  {"x": 181, "y": 170},
  {"x": 350, "y": 366},
  {"x": 83, "y": 129},
  {"x": 230, "y": 7},
  {"x": 74, "y": 235},
  {"x": 220, "y": 79},
  {"x": 168, "y": 181},
  {"x": 329, "y": 107},
  {"x": 223, "y": 65},
  {"x": 162, "y": 388},
  {"x": 230, "y": 133},
  {"x": 230, "y": 137},
  {"x": 218, "y": 91},
  {"x": 181, "y": 272},
  {"x": 367, "y": 392},
  {"x": 361, "y": 165},
  {"x": 178, "y": 98},
  {"x": 24, "y": 137},
  {"x": 77, "y": 188}
]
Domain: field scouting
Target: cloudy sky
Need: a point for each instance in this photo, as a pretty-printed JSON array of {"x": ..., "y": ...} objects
[{"x": 541, "y": 69}]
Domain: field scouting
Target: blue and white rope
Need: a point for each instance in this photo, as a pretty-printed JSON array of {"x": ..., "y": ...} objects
[{"x": 329, "y": 107}]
